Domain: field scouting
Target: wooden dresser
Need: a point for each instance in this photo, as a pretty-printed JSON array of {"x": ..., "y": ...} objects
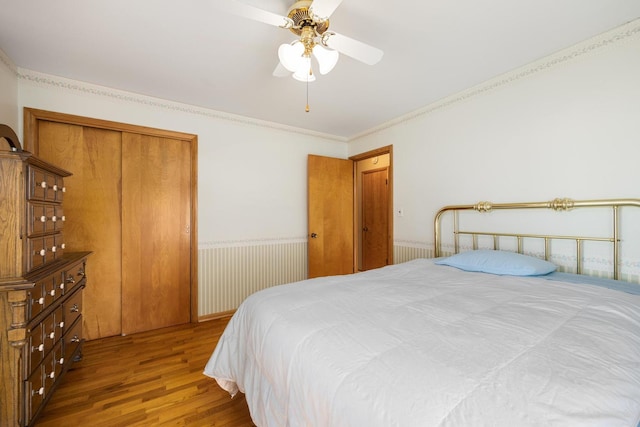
[{"x": 40, "y": 284}]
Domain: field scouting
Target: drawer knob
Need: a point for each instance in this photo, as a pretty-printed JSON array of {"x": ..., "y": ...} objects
[
  {"x": 75, "y": 339},
  {"x": 41, "y": 300},
  {"x": 74, "y": 308},
  {"x": 61, "y": 286},
  {"x": 70, "y": 279},
  {"x": 64, "y": 189},
  {"x": 43, "y": 252},
  {"x": 40, "y": 391},
  {"x": 63, "y": 246},
  {"x": 64, "y": 218},
  {"x": 43, "y": 184},
  {"x": 61, "y": 324},
  {"x": 41, "y": 348},
  {"x": 52, "y": 375},
  {"x": 52, "y": 335},
  {"x": 43, "y": 218},
  {"x": 55, "y": 187},
  {"x": 52, "y": 292},
  {"x": 54, "y": 218},
  {"x": 61, "y": 361},
  {"x": 53, "y": 249}
]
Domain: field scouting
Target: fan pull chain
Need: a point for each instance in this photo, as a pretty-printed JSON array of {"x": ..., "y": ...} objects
[{"x": 307, "y": 107}]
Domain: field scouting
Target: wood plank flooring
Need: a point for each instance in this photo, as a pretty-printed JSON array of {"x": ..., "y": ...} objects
[{"x": 146, "y": 379}]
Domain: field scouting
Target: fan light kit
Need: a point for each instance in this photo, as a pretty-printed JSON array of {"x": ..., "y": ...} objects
[
  {"x": 309, "y": 20},
  {"x": 296, "y": 57}
]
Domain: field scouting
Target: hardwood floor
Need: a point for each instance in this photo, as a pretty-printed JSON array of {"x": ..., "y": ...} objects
[{"x": 146, "y": 379}]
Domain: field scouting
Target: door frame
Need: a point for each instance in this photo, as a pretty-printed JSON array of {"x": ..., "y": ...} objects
[
  {"x": 31, "y": 143},
  {"x": 358, "y": 199}
]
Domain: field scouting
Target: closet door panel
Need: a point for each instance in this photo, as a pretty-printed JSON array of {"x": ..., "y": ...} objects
[
  {"x": 156, "y": 251},
  {"x": 92, "y": 205}
]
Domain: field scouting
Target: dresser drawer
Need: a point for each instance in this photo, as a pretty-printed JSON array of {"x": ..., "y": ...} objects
[
  {"x": 72, "y": 308},
  {"x": 73, "y": 275},
  {"x": 38, "y": 218},
  {"x": 52, "y": 327},
  {"x": 37, "y": 298},
  {"x": 72, "y": 340},
  {"x": 50, "y": 369},
  {"x": 45, "y": 186},
  {"x": 42, "y": 219},
  {"x": 34, "y": 392},
  {"x": 44, "y": 293},
  {"x": 44, "y": 249},
  {"x": 40, "y": 250},
  {"x": 35, "y": 346}
]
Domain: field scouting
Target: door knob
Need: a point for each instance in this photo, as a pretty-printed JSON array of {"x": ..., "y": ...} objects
[
  {"x": 365, "y": 228},
  {"x": 314, "y": 235}
]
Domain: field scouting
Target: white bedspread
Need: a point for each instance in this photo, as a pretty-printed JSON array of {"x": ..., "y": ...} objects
[{"x": 417, "y": 344}]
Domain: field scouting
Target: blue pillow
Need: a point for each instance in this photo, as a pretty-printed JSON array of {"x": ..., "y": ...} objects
[{"x": 499, "y": 262}]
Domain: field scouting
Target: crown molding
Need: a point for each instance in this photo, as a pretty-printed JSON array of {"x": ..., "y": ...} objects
[
  {"x": 603, "y": 41},
  {"x": 8, "y": 63},
  {"x": 70, "y": 85}
]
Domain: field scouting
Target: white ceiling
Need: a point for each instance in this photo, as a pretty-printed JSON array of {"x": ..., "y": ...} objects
[{"x": 189, "y": 51}]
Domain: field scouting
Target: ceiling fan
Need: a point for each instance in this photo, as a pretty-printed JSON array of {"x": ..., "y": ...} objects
[{"x": 309, "y": 20}]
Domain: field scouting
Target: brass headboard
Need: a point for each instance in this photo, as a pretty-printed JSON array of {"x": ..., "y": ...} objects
[{"x": 556, "y": 205}]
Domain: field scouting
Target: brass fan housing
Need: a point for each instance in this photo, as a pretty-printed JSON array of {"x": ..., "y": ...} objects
[{"x": 299, "y": 14}]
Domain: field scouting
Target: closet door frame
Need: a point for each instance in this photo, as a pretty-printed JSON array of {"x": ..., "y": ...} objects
[{"x": 31, "y": 143}]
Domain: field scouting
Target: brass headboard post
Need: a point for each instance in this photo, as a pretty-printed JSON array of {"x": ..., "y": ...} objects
[
  {"x": 455, "y": 232},
  {"x": 559, "y": 204},
  {"x": 616, "y": 240}
]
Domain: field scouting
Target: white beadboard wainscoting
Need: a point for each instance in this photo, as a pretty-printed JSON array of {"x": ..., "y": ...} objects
[
  {"x": 230, "y": 272},
  {"x": 406, "y": 251}
]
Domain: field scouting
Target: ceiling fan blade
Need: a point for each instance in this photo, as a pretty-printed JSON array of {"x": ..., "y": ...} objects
[
  {"x": 357, "y": 50},
  {"x": 246, "y": 11},
  {"x": 322, "y": 9},
  {"x": 280, "y": 71}
]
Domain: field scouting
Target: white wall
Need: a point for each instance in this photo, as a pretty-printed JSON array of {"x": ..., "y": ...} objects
[
  {"x": 565, "y": 126},
  {"x": 251, "y": 175},
  {"x": 8, "y": 92}
]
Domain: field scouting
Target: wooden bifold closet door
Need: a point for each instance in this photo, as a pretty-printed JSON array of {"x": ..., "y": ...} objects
[
  {"x": 137, "y": 221},
  {"x": 155, "y": 232}
]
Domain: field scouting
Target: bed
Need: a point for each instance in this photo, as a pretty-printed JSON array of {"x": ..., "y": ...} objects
[{"x": 477, "y": 336}]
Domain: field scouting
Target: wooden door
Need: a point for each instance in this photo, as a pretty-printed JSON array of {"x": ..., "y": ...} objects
[
  {"x": 375, "y": 219},
  {"x": 156, "y": 231},
  {"x": 330, "y": 216},
  {"x": 92, "y": 209}
]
